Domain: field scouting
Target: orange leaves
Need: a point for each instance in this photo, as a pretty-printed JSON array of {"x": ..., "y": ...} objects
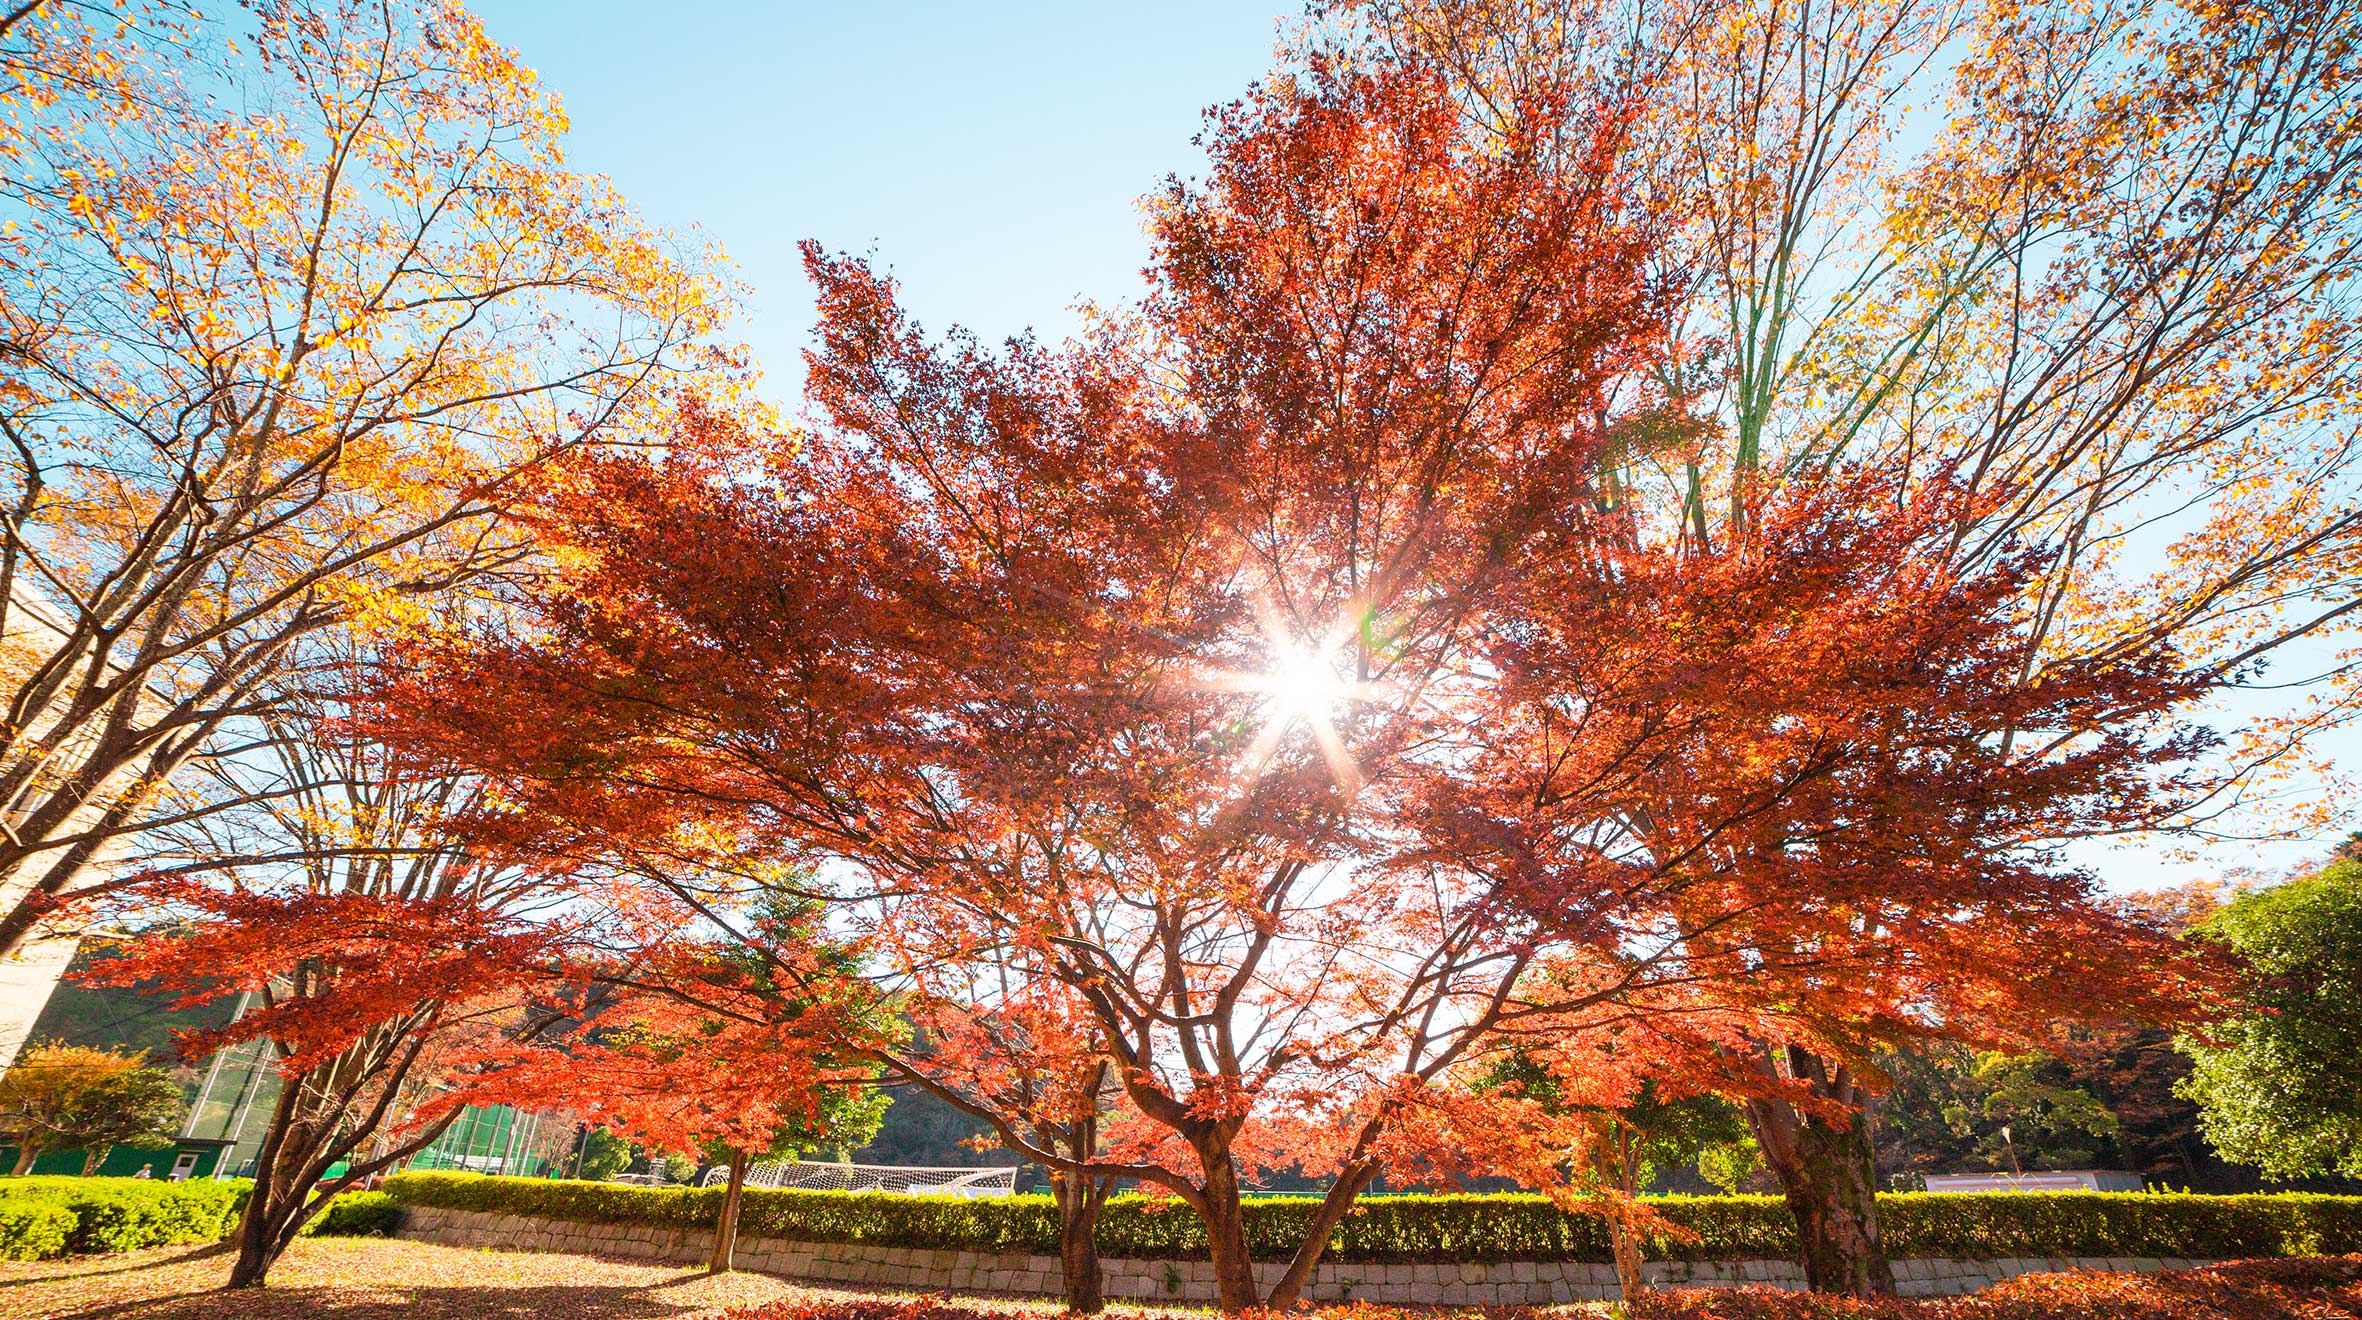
[
  {"x": 1829, "y": 796},
  {"x": 331, "y": 970},
  {"x": 1665, "y": 792}
]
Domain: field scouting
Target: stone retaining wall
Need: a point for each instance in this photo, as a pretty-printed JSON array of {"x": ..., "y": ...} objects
[{"x": 1497, "y": 1283}]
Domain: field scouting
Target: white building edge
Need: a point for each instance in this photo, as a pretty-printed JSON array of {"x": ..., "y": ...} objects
[{"x": 28, "y": 977}]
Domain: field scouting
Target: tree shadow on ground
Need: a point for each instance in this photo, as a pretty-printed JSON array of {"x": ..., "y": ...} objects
[{"x": 75, "y": 1267}]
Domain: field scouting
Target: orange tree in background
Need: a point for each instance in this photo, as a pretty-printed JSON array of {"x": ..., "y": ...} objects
[
  {"x": 290, "y": 301},
  {"x": 692, "y": 1046},
  {"x": 2093, "y": 267},
  {"x": 998, "y": 1035},
  {"x": 1274, "y": 696},
  {"x": 69, "y": 1097},
  {"x": 1800, "y": 747}
]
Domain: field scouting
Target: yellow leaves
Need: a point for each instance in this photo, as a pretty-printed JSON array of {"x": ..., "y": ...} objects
[{"x": 523, "y": 315}]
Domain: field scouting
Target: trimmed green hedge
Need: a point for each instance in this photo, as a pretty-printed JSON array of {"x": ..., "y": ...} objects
[
  {"x": 33, "y": 1229},
  {"x": 112, "y": 1214},
  {"x": 356, "y": 1214},
  {"x": 1455, "y": 1228}
]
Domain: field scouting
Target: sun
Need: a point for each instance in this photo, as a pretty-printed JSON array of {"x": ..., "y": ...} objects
[
  {"x": 1307, "y": 684},
  {"x": 1303, "y": 687}
]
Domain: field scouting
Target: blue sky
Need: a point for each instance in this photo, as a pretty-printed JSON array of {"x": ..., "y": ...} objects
[{"x": 992, "y": 155}]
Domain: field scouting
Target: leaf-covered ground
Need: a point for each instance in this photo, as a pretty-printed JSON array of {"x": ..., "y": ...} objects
[{"x": 378, "y": 1279}]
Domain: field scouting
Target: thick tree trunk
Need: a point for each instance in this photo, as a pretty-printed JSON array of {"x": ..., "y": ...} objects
[
  {"x": 253, "y": 1266},
  {"x": 25, "y": 1155},
  {"x": 1079, "y": 1200},
  {"x": 1827, "y": 1168},
  {"x": 1226, "y": 1237},
  {"x": 726, "y": 1232},
  {"x": 259, "y": 1229}
]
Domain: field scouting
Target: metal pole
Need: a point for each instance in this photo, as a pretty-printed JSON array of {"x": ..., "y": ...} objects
[{"x": 508, "y": 1148}]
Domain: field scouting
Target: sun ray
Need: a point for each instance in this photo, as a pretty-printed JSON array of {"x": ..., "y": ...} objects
[{"x": 1301, "y": 685}]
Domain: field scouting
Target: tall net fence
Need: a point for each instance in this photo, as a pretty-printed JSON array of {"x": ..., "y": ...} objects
[{"x": 916, "y": 1180}]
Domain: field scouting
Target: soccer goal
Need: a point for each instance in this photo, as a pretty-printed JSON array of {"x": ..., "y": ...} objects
[{"x": 916, "y": 1180}]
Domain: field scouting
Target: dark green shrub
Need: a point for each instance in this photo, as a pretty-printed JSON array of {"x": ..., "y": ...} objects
[
  {"x": 125, "y": 1214},
  {"x": 357, "y": 1214},
  {"x": 1456, "y": 1228},
  {"x": 1966, "y": 1227}
]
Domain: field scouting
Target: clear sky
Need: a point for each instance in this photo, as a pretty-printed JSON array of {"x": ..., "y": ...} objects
[{"x": 992, "y": 156}]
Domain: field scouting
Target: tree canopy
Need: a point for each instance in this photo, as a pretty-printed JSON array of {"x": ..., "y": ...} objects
[
  {"x": 71, "y": 1097},
  {"x": 2279, "y": 1082}
]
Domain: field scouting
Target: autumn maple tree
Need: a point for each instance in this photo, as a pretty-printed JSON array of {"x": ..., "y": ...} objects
[
  {"x": 1816, "y": 754},
  {"x": 1089, "y": 674},
  {"x": 72, "y": 1097},
  {"x": 381, "y": 961},
  {"x": 2091, "y": 267},
  {"x": 294, "y": 295},
  {"x": 998, "y": 1037},
  {"x": 710, "y": 1048}
]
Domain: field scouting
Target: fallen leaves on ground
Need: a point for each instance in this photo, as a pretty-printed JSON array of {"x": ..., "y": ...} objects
[
  {"x": 366, "y": 1279},
  {"x": 2307, "y": 1288},
  {"x": 382, "y": 1279}
]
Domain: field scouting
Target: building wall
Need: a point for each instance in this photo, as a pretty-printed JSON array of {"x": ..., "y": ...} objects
[
  {"x": 32, "y": 632},
  {"x": 26, "y": 980},
  {"x": 1499, "y": 1283},
  {"x": 121, "y": 1162}
]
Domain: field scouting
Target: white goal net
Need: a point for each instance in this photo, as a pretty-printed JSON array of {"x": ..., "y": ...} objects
[{"x": 916, "y": 1180}]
